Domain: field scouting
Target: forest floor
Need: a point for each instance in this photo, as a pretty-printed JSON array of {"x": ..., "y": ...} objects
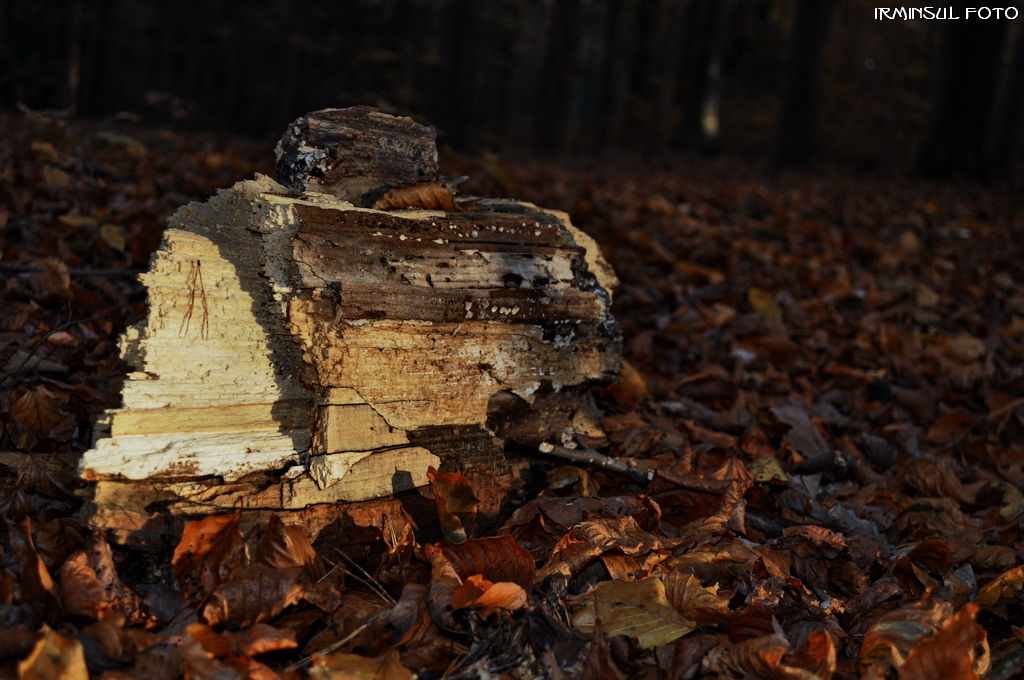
[{"x": 825, "y": 372}]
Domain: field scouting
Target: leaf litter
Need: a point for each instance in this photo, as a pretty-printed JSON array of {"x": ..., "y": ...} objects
[{"x": 823, "y": 374}]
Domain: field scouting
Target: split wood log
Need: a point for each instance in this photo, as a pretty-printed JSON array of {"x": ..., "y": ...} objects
[{"x": 301, "y": 353}]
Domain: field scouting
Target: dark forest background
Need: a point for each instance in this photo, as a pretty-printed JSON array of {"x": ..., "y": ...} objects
[{"x": 786, "y": 80}]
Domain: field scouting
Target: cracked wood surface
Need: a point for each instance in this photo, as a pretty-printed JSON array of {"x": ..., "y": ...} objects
[
  {"x": 302, "y": 335},
  {"x": 301, "y": 350}
]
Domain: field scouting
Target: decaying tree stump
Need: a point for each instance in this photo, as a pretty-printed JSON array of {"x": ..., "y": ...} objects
[{"x": 303, "y": 353}]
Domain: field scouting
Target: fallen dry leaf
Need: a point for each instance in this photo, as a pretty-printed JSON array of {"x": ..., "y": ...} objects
[
  {"x": 356, "y": 667},
  {"x": 638, "y": 609},
  {"x": 456, "y": 504},
  {"x": 210, "y": 551},
  {"x": 479, "y": 593},
  {"x": 54, "y": 657}
]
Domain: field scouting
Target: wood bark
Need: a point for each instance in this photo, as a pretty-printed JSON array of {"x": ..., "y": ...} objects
[{"x": 300, "y": 350}]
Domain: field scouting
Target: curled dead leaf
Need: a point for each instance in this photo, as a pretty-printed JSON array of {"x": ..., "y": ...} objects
[
  {"x": 426, "y": 195},
  {"x": 54, "y": 657},
  {"x": 355, "y": 667},
  {"x": 255, "y": 594},
  {"x": 479, "y": 593},
  {"x": 288, "y": 546},
  {"x": 209, "y": 552},
  {"x": 694, "y": 601},
  {"x": 456, "y": 504},
  {"x": 82, "y": 594},
  {"x": 1007, "y": 584},
  {"x": 496, "y": 558},
  {"x": 638, "y": 609},
  {"x": 958, "y": 651}
]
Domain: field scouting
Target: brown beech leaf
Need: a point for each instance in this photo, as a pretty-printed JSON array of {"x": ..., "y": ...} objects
[
  {"x": 355, "y": 667},
  {"x": 37, "y": 585},
  {"x": 817, "y": 656},
  {"x": 952, "y": 653},
  {"x": 54, "y": 657},
  {"x": 694, "y": 601},
  {"x": 804, "y": 435},
  {"x": 538, "y": 524},
  {"x": 419, "y": 639},
  {"x": 255, "y": 594},
  {"x": 356, "y": 609},
  {"x": 53, "y": 281},
  {"x": 599, "y": 664},
  {"x": 630, "y": 389},
  {"x": 39, "y": 414},
  {"x": 480, "y": 593},
  {"x": 456, "y": 504},
  {"x": 591, "y": 538},
  {"x": 209, "y": 655},
  {"x": 931, "y": 555},
  {"x": 101, "y": 560},
  {"x": 891, "y": 637},
  {"x": 770, "y": 657},
  {"x": 288, "y": 546},
  {"x": 426, "y": 195},
  {"x": 760, "y": 656},
  {"x": 261, "y": 638},
  {"x": 444, "y": 581},
  {"x": 638, "y": 609},
  {"x": 754, "y": 621},
  {"x": 209, "y": 552},
  {"x": 1007, "y": 584},
  {"x": 82, "y": 594},
  {"x": 496, "y": 558},
  {"x": 951, "y": 426},
  {"x": 931, "y": 479}
]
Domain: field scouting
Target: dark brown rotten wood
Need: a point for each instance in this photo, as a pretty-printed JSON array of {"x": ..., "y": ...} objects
[{"x": 350, "y": 152}]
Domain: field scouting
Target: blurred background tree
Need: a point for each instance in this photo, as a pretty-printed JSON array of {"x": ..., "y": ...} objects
[{"x": 790, "y": 80}]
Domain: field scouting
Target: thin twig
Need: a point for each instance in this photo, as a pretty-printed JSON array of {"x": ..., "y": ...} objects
[
  {"x": 370, "y": 582},
  {"x": 585, "y": 454},
  {"x": 330, "y": 649},
  {"x": 39, "y": 344}
]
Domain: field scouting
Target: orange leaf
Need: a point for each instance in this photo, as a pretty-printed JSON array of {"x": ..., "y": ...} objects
[
  {"x": 288, "y": 546},
  {"x": 54, "y": 657},
  {"x": 497, "y": 558},
  {"x": 426, "y": 195},
  {"x": 38, "y": 413},
  {"x": 210, "y": 550},
  {"x": 952, "y": 653},
  {"x": 951, "y": 426},
  {"x": 355, "y": 667},
  {"x": 1007, "y": 584},
  {"x": 81, "y": 591},
  {"x": 253, "y": 595},
  {"x": 456, "y": 504},
  {"x": 479, "y": 592}
]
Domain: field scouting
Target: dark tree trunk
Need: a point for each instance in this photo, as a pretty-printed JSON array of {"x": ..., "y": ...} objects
[
  {"x": 707, "y": 25},
  {"x": 795, "y": 139},
  {"x": 1005, "y": 140},
  {"x": 455, "y": 109},
  {"x": 618, "y": 44},
  {"x": 559, "y": 67},
  {"x": 968, "y": 77}
]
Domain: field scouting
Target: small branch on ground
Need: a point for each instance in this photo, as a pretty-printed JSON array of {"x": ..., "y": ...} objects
[{"x": 585, "y": 454}]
